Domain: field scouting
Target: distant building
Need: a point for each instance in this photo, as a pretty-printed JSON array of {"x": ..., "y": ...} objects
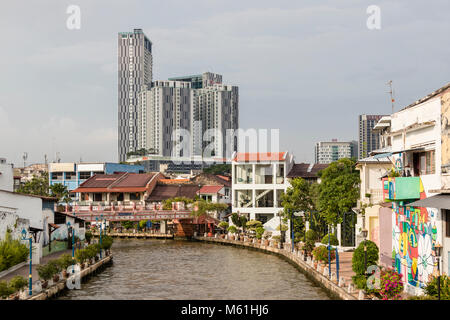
[
  {"x": 329, "y": 151},
  {"x": 306, "y": 171},
  {"x": 73, "y": 174},
  {"x": 25, "y": 174},
  {"x": 368, "y": 139}
]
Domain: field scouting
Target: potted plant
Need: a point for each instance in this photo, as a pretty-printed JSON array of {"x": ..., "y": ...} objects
[
  {"x": 5, "y": 290},
  {"x": 107, "y": 242},
  {"x": 56, "y": 269},
  {"x": 64, "y": 261},
  {"x": 232, "y": 230},
  {"x": 45, "y": 272},
  {"x": 80, "y": 257},
  {"x": 88, "y": 236},
  {"x": 17, "y": 283}
]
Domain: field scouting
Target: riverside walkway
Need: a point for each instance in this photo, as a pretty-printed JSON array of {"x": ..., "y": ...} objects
[{"x": 341, "y": 288}]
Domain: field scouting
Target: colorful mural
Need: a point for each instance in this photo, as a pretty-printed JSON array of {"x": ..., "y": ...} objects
[{"x": 414, "y": 236}]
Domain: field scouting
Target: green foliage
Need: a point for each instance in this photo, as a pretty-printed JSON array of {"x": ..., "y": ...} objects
[
  {"x": 61, "y": 192},
  {"x": 358, "y": 257},
  {"x": 46, "y": 271},
  {"x": 283, "y": 227},
  {"x": 360, "y": 281},
  {"x": 81, "y": 255},
  {"x": 167, "y": 204},
  {"x": 253, "y": 224},
  {"x": 224, "y": 225},
  {"x": 128, "y": 224},
  {"x": 320, "y": 253},
  {"x": 422, "y": 297},
  {"x": 204, "y": 207},
  {"x": 333, "y": 239},
  {"x": 232, "y": 229},
  {"x": 393, "y": 173},
  {"x": 142, "y": 224},
  {"x": 107, "y": 242},
  {"x": 311, "y": 235},
  {"x": 243, "y": 220},
  {"x": 222, "y": 169},
  {"x": 88, "y": 236},
  {"x": 297, "y": 198},
  {"x": 64, "y": 261},
  {"x": 391, "y": 285},
  {"x": 339, "y": 190},
  {"x": 235, "y": 219},
  {"x": 37, "y": 186},
  {"x": 5, "y": 290},
  {"x": 18, "y": 283},
  {"x": 92, "y": 250},
  {"x": 259, "y": 232},
  {"x": 55, "y": 265},
  {"x": 431, "y": 288},
  {"x": 12, "y": 252}
]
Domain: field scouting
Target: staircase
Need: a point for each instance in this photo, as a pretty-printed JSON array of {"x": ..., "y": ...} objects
[{"x": 272, "y": 225}]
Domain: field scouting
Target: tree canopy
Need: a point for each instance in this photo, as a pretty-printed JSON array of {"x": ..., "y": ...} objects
[
  {"x": 339, "y": 189},
  {"x": 37, "y": 186},
  {"x": 218, "y": 169}
]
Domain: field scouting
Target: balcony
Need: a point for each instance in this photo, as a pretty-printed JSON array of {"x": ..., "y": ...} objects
[{"x": 401, "y": 188}]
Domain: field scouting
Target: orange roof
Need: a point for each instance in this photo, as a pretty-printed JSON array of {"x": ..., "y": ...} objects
[
  {"x": 260, "y": 156},
  {"x": 210, "y": 189},
  {"x": 174, "y": 180}
]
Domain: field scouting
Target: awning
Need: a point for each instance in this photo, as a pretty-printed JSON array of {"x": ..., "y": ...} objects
[{"x": 440, "y": 201}]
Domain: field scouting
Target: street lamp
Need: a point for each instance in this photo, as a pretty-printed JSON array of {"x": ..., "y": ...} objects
[
  {"x": 30, "y": 239},
  {"x": 100, "y": 232},
  {"x": 73, "y": 245},
  {"x": 437, "y": 250}
]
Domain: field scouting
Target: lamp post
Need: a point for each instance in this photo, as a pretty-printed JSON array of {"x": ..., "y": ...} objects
[
  {"x": 100, "y": 233},
  {"x": 329, "y": 253},
  {"x": 364, "y": 234},
  {"x": 73, "y": 244},
  {"x": 30, "y": 276},
  {"x": 437, "y": 250}
]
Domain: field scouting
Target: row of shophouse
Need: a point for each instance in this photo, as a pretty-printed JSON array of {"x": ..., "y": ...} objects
[{"x": 405, "y": 190}]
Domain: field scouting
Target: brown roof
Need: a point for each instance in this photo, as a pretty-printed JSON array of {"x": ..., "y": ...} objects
[
  {"x": 259, "y": 156},
  {"x": 301, "y": 170},
  {"x": 166, "y": 191},
  {"x": 119, "y": 182},
  {"x": 209, "y": 179}
]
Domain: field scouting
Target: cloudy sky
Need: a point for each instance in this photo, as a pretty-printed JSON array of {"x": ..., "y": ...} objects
[{"x": 307, "y": 68}]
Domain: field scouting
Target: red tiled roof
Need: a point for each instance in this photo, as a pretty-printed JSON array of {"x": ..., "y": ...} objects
[
  {"x": 260, "y": 156},
  {"x": 223, "y": 177},
  {"x": 120, "y": 182},
  {"x": 173, "y": 181},
  {"x": 210, "y": 189},
  {"x": 165, "y": 191}
]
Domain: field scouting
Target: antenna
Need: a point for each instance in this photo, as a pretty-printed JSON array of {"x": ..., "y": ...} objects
[
  {"x": 45, "y": 159},
  {"x": 25, "y": 157},
  {"x": 391, "y": 92}
]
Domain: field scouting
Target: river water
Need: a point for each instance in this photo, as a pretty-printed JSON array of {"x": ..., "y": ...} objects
[{"x": 168, "y": 269}]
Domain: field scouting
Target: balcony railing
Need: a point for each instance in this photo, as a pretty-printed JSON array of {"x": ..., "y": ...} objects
[{"x": 117, "y": 206}]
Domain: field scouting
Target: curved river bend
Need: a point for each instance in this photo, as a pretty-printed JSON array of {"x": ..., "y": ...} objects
[{"x": 168, "y": 269}]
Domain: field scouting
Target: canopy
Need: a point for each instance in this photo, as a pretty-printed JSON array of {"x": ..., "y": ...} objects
[{"x": 440, "y": 201}]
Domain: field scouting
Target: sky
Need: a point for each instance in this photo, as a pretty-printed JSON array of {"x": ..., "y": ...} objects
[{"x": 307, "y": 68}]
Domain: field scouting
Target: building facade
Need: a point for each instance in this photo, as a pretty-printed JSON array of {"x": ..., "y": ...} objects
[
  {"x": 134, "y": 71},
  {"x": 327, "y": 152},
  {"x": 368, "y": 140},
  {"x": 419, "y": 192}
]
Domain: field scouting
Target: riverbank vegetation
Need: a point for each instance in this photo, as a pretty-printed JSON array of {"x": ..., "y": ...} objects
[{"x": 12, "y": 252}]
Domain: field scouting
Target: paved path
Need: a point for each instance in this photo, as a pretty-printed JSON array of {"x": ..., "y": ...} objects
[{"x": 24, "y": 271}]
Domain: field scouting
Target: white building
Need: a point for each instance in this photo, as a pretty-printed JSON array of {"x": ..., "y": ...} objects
[
  {"x": 329, "y": 151},
  {"x": 418, "y": 139},
  {"x": 258, "y": 181}
]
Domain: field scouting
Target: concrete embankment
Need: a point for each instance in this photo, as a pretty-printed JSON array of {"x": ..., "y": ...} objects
[
  {"x": 60, "y": 286},
  {"x": 334, "y": 287},
  {"x": 139, "y": 235}
]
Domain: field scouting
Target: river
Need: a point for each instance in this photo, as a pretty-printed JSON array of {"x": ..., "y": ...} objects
[{"x": 168, "y": 269}]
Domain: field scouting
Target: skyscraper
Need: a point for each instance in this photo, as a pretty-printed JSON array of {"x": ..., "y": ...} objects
[
  {"x": 134, "y": 71},
  {"x": 200, "y": 104},
  {"x": 368, "y": 140},
  {"x": 330, "y": 151}
]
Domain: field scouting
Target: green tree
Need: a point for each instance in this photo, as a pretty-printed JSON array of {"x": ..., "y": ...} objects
[
  {"x": 222, "y": 169},
  {"x": 37, "y": 186},
  {"x": 339, "y": 189},
  {"x": 60, "y": 191},
  {"x": 203, "y": 208}
]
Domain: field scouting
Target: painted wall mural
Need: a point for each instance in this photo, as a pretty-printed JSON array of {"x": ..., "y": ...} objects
[{"x": 414, "y": 236}]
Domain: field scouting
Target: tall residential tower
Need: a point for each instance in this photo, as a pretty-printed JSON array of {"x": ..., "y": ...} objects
[
  {"x": 368, "y": 140},
  {"x": 134, "y": 71}
]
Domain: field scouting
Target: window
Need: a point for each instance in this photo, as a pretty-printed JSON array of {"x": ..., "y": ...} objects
[
  {"x": 85, "y": 175},
  {"x": 424, "y": 163},
  {"x": 57, "y": 176},
  {"x": 447, "y": 223}
]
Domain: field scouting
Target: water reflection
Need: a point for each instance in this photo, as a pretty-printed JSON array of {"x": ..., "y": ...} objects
[{"x": 167, "y": 269}]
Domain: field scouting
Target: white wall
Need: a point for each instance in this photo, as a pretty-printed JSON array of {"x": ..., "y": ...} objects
[
  {"x": 6, "y": 176},
  {"x": 26, "y": 207}
]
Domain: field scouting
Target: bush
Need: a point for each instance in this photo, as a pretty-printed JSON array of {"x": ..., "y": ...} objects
[
  {"x": 55, "y": 265},
  {"x": 321, "y": 254},
  {"x": 46, "y": 271},
  {"x": 311, "y": 235},
  {"x": 333, "y": 239},
  {"x": 358, "y": 257},
  {"x": 232, "y": 229},
  {"x": 81, "y": 255},
  {"x": 18, "y": 283},
  {"x": 64, "y": 261},
  {"x": 91, "y": 251},
  {"x": 106, "y": 242},
  {"x": 253, "y": 224},
  {"x": 259, "y": 232},
  {"x": 391, "y": 285},
  {"x": 5, "y": 290},
  {"x": 224, "y": 225},
  {"x": 360, "y": 281},
  {"x": 12, "y": 252},
  {"x": 88, "y": 236},
  {"x": 431, "y": 288}
]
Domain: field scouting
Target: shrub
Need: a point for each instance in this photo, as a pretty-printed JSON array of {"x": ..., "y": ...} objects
[
  {"x": 91, "y": 251},
  {"x": 46, "y": 271},
  {"x": 64, "y": 261},
  {"x": 81, "y": 255},
  {"x": 253, "y": 224},
  {"x": 18, "y": 283},
  {"x": 276, "y": 238},
  {"x": 391, "y": 285},
  {"x": 88, "y": 236},
  {"x": 431, "y": 288},
  {"x": 360, "y": 281},
  {"x": 224, "y": 225},
  {"x": 321, "y": 254},
  {"x": 55, "y": 265},
  {"x": 259, "y": 232},
  {"x": 333, "y": 239},
  {"x": 5, "y": 290},
  {"x": 12, "y": 252},
  {"x": 422, "y": 297},
  {"x": 297, "y": 237},
  {"x": 106, "y": 242},
  {"x": 311, "y": 235},
  {"x": 358, "y": 257},
  {"x": 232, "y": 229}
]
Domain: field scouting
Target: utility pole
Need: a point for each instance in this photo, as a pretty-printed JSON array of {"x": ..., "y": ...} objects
[
  {"x": 391, "y": 92},
  {"x": 25, "y": 157}
]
